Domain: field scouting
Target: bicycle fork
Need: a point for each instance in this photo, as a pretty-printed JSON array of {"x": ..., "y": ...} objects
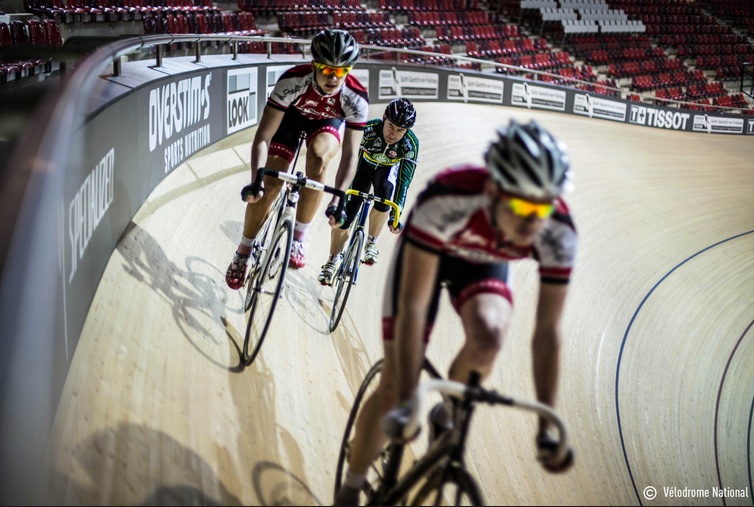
[
  {"x": 390, "y": 475},
  {"x": 363, "y": 215}
]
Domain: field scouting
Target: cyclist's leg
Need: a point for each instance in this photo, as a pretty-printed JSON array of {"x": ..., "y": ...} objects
[
  {"x": 368, "y": 439},
  {"x": 483, "y": 300},
  {"x": 280, "y": 155},
  {"x": 362, "y": 182},
  {"x": 377, "y": 221},
  {"x": 338, "y": 238},
  {"x": 384, "y": 186},
  {"x": 368, "y": 436},
  {"x": 384, "y": 183},
  {"x": 254, "y": 218},
  {"x": 322, "y": 145}
]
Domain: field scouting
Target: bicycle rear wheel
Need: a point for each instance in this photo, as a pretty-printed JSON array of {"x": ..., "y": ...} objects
[
  {"x": 449, "y": 486},
  {"x": 267, "y": 291},
  {"x": 345, "y": 277},
  {"x": 375, "y": 472}
]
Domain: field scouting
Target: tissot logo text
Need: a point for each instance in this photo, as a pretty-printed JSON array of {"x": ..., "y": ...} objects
[{"x": 659, "y": 118}]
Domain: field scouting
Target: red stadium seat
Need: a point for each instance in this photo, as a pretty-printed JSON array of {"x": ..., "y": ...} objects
[
  {"x": 5, "y": 37},
  {"x": 52, "y": 30},
  {"x": 37, "y": 36}
]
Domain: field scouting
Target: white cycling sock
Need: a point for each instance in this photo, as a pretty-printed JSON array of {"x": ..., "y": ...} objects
[
  {"x": 299, "y": 230},
  {"x": 246, "y": 241},
  {"x": 372, "y": 239},
  {"x": 353, "y": 480}
]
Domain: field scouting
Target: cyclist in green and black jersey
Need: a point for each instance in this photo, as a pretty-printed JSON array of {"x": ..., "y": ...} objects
[{"x": 388, "y": 156}]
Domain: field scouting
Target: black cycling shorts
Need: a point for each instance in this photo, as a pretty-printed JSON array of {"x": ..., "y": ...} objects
[
  {"x": 462, "y": 278},
  {"x": 382, "y": 177},
  {"x": 285, "y": 140}
]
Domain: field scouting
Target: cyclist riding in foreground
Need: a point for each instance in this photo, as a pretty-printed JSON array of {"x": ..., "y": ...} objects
[
  {"x": 317, "y": 98},
  {"x": 464, "y": 229},
  {"x": 389, "y": 152}
]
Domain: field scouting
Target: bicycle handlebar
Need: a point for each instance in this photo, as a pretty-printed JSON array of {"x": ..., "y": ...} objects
[
  {"x": 297, "y": 180},
  {"x": 372, "y": 197},
  {"x": 462, "y": 391}
]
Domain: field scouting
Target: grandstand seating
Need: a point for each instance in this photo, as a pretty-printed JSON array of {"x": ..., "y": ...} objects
[{"x": 664, "y": 48}]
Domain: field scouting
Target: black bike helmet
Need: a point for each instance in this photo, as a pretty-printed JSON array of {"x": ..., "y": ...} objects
[
  {"x": 527, "y": 161},
  {"x": 401, "y": 112},
  {"x": 336, "y": 48}
]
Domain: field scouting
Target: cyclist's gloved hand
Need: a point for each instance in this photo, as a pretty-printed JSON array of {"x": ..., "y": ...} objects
[
  {"x": 547, "y": 448},
  {"x": 248, "y": 192},
  {"x": 394, "y": 423},
  {"x": 335, "y": 219},
  {"x": 394, "y": 230}
]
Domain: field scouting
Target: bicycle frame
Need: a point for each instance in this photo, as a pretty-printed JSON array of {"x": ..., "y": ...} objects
[
  {"x": 367, "y": 199},
  {"x": 363, "y": 215},
  {"x": 259, "y": 246},
  {"x": 277, "y": 213},
  {"x": 447, "y": 451}
]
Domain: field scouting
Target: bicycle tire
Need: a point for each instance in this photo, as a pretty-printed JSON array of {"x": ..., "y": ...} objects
[
  {"x": 259, "y": 247},
  {"x": 267, "y": 291},
  {"x": 345, "y": 277},
  {"x": 374, "y": 475},
  {"x": 434, "y": 490}
]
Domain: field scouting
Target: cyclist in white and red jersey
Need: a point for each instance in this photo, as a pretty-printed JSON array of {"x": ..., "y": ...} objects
[
  {"x": 331, "y": 105},
  {"x": 466, "y": 227}
]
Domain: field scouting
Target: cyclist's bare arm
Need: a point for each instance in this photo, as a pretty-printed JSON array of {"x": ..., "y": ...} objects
[
  {"x": 417, "y": 285},
  {"x": 348, "y": 159},
  {"x": 546, "y": 342},
  {"x": 268, "y": 125}
]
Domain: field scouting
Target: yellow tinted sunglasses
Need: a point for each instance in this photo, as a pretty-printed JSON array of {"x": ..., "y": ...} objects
[
  {"x": 522, "y": 208},
  {"x": 329, "y": 71}
]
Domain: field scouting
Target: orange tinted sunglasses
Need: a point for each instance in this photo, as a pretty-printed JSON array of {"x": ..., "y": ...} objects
[
  {"x": 523, "y": 208},
  {"x": 329, "y": 71}
]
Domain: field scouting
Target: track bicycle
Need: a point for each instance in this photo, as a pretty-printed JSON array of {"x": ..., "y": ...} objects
[
  {"x": 348, "y": 271},
  {"x": 439, "y": 476},
  {"x": 267, "y": 277},
  {"x": 261, "y": 242}
]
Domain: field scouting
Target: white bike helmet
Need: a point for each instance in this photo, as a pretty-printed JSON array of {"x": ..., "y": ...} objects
[
  {"x": 336, "y": 48},
  {"x": 527, "y": 161}
]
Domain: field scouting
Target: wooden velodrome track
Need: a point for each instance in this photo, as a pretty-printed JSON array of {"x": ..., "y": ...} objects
[{"x": 658, "y": 335}]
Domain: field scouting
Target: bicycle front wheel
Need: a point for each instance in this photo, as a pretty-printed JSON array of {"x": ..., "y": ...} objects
[
  {"x": 449, "y": 486},
  {"x": 345, "y": 277},
  {"x": 267, "y": 291},
  {"x": 376, "y": 470},
  {"x": 258, "y": 248}
]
